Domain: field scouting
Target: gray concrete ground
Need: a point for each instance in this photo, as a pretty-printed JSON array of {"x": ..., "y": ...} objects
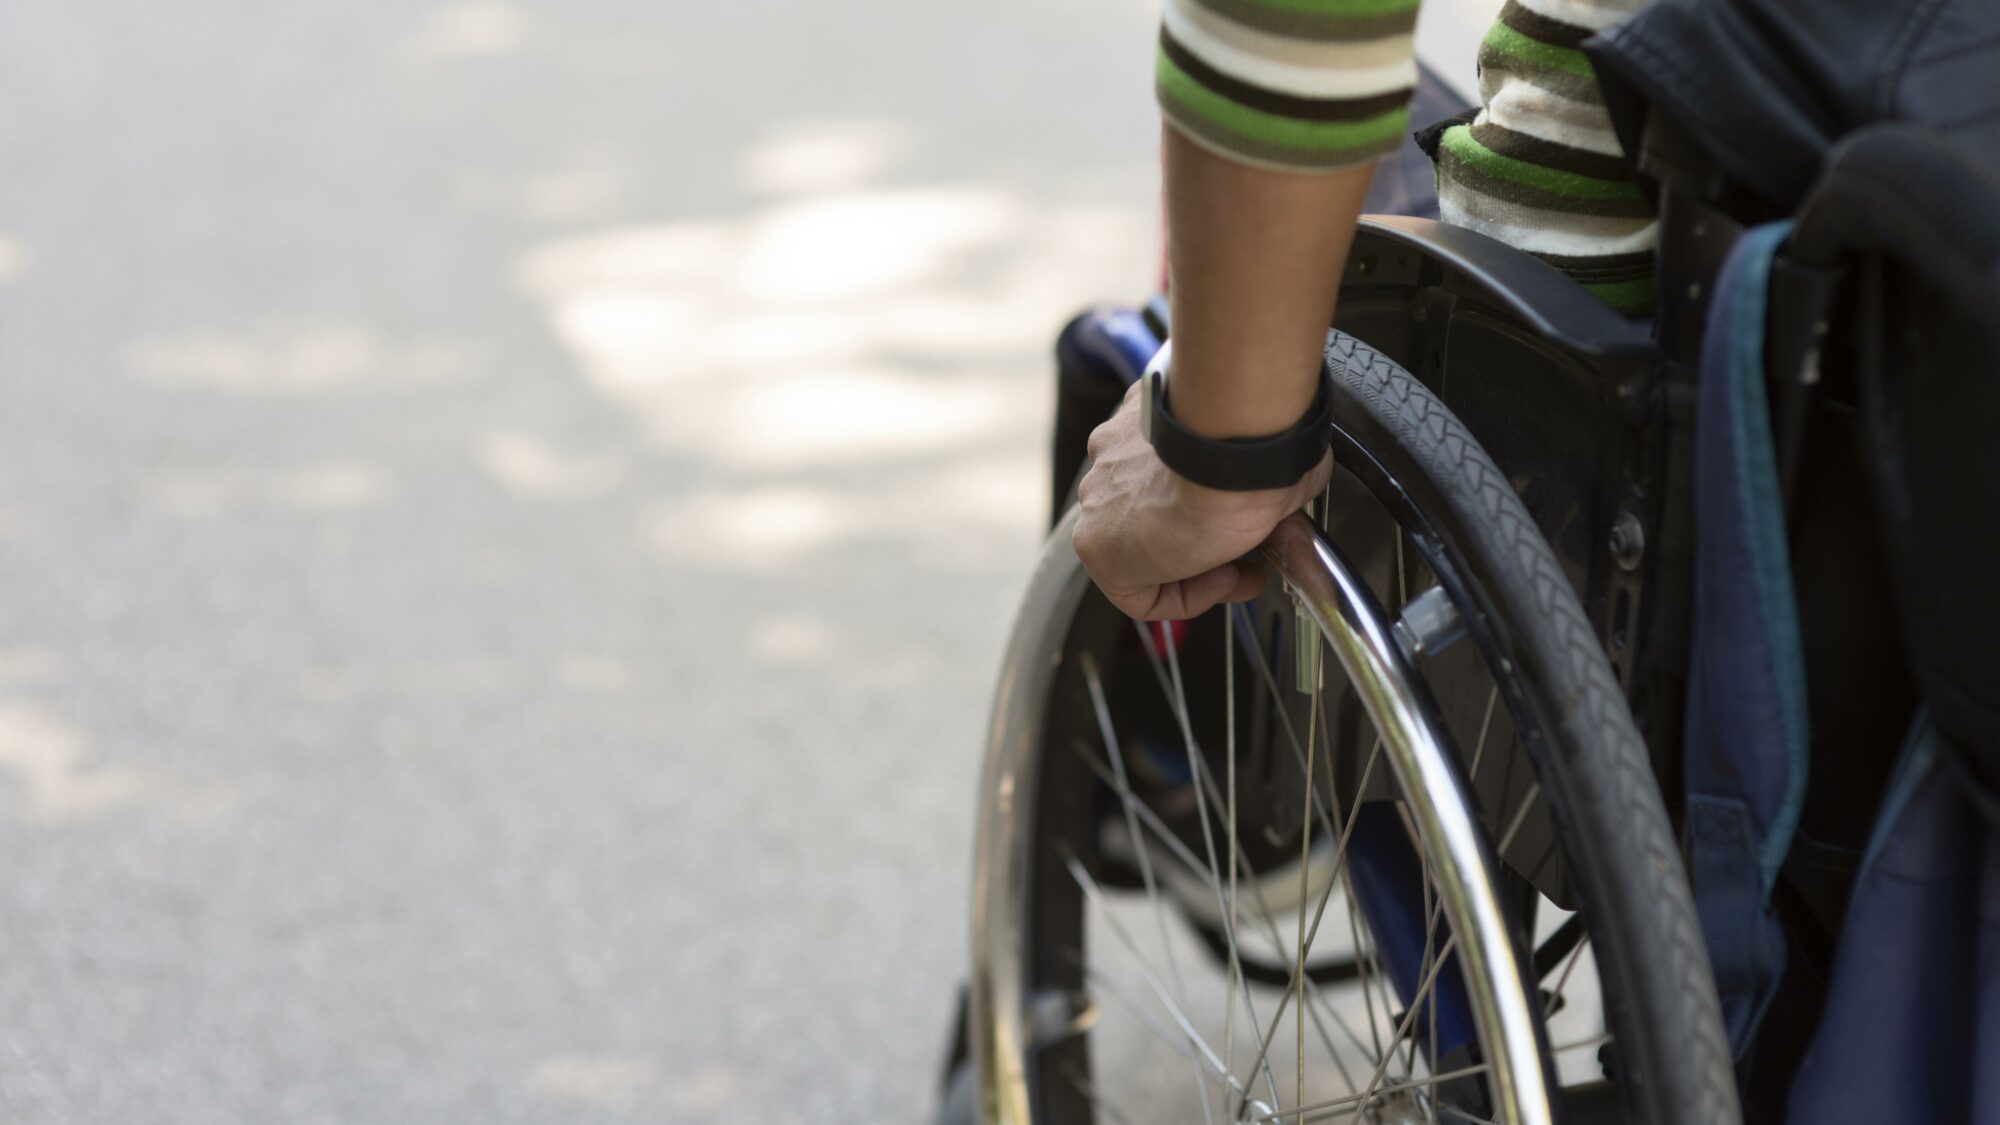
[{"x": 508, "y": 515}]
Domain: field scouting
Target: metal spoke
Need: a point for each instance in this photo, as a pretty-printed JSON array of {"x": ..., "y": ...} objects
[
  {"x": 1402, "y": 595},
  {"x": 1330, "y": 822},
  {"x": 1432, "y": 900},
  {"x": 1555, "y": 997},
  {"x": 1321, "y": 1110},
  {"x": 1261, "y": 913},
  {"x": 1182, "y": 875},
  {"x": 1180, "y": 1045},
  {"x": 1206, "y": 789},
  {"x": 1433, "y": 967},
  {"x": 1506, "y": 785},
  {"x": 1339, "y": 852},
  {"x": 1429, "y": 977},
  {"x": 1190, "y": 1044},
  {"x": 1229, "y": 909},
  {"x": 1083, "y": 1086},
  {"x": 1367, "y": 993},
  {"x": 1485, "y": 727},
  {"x": 1110, "y": 736},
  {"x": 1520, "y": 817},
  {"x": 1197, "y": 766},
  {"x": 1271, "y": 685},
  {"x": 1305, "y": 890},
  {"x": 1174, "y": 1009},
  {"x": 1298, "y": 971},
  {"x": 1326, "y": 819},
  {"x": 1312, "y": 988},
  {"x": 1362, "y": 954},
  {"x": 1220, "y": 801},
  {"x": 1357, "y": 1102},
  {"x": 1291, "y": 733},
  {"x": 1186, "y": 1044}
]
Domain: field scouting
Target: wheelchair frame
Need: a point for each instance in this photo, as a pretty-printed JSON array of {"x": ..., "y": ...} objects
[{"x": 1553, "y": 360}]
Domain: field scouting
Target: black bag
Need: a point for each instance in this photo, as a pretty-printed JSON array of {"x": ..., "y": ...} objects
[{"x": 1877, "y": 123}]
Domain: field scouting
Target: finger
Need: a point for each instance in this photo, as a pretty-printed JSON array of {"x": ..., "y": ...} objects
[
  {"x": 1107, "y": 430},
  {"x": 1093, "y": 446},
  {"x": 1138, "y": 604},
  {"x": 1192, "y": 597},
  {"x": 1250, "y": 581}
]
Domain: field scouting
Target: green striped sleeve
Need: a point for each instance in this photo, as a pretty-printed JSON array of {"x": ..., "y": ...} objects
[
  {"x": 1462, "y": 145},
  {"x": 1334, "y": 7},
  {"x": 1268, "y": 139},
  {"x": 1632, "y": 297},
  {"x": 1508, "y": 41}
]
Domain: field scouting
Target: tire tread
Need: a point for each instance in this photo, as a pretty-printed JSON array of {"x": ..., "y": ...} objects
[{"x": 1613, "y": 800}]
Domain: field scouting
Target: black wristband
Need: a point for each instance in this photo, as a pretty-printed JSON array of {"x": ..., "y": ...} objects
[{"x": 1234, "y": 464}]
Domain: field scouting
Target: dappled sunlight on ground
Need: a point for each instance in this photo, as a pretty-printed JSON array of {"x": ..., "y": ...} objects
[
  {"x": 837, "y": 415},
  {"x": 750, "y": 529},
  {"x": 944, "y": 516},
  {"x": 473, "y": 30},
  {"x": 297, "y": 359},
  {"x": 849, "y": 247},
  {"x": 14, "y": 259},
  {"x": 600, "y": 1082},
  {"x": 819, "y": 157},
  {"x": 511, "y": 513},
  {"x": 791, "y": 640},
  {"x": 336, "y": 486},
  {"x": 49, "y": 760},
  {"x": 900, "y": 333},
  {"x": 593, "y": 673},
  {"x": 528, "y": 466}
]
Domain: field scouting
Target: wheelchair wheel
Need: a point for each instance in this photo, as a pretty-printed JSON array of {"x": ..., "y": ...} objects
[{"x": 1318, "y": 859}]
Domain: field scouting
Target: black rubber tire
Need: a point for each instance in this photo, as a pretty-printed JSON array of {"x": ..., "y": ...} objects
[{"x": 1596, "y": 777}]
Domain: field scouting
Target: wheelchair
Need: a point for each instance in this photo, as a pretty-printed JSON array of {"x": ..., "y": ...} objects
[{"x": 1396, "y": 842}]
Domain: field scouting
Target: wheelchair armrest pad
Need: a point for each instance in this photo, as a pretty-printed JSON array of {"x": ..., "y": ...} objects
[{"x": 1534, "y": 292}]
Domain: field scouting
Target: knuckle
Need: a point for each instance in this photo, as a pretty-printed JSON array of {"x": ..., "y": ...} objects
[
  {"x": 1085, "y": 544},
  {"x": 1094, "y": 445},
  {"x": 1135, "y": 606}
]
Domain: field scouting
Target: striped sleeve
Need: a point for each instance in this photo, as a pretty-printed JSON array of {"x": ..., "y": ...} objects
[
  {"x": 1539, "y": 168},
  {"x": 1290, "y": 85}
]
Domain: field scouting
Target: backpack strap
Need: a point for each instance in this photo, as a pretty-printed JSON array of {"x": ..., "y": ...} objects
[{"x": 1746, "y": 752}]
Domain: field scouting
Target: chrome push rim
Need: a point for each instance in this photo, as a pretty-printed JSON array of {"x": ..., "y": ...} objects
[{"x": 1014, "y": 1020}]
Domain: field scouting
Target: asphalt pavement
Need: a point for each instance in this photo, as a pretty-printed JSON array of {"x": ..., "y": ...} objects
[{"x": 508, "y": 517}]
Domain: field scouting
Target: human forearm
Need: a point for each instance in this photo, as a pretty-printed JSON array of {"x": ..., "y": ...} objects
[
  {"x": 1290, "y": 102},
  {"x": 1254, "y": 262}
]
